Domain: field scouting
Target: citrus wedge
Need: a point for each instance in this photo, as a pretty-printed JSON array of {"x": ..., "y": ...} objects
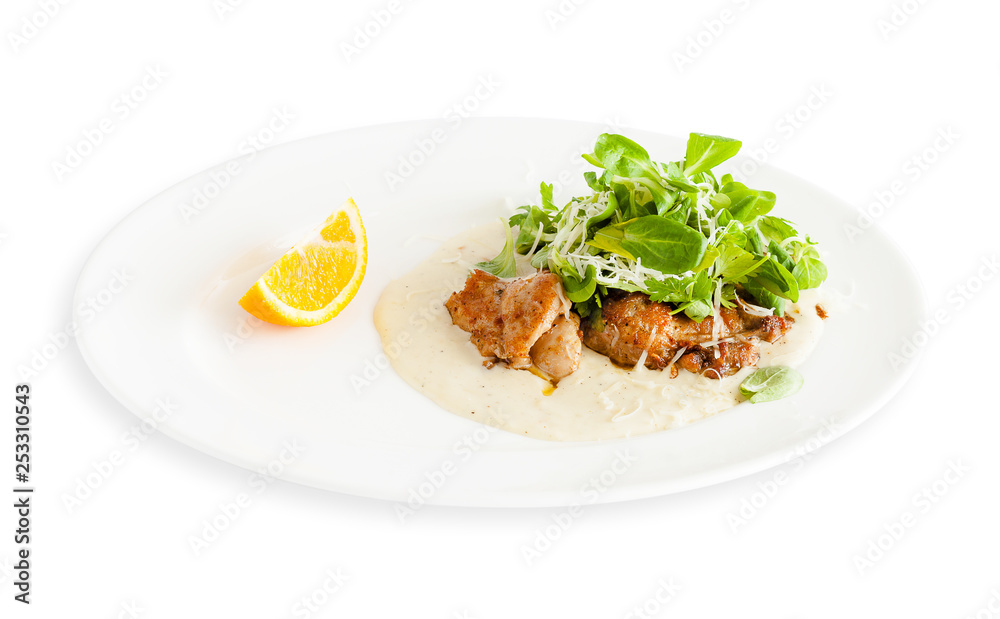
[{"x": 317, "y": 277}]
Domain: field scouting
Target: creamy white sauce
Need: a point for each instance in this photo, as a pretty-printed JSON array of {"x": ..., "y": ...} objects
[{"x": 598, "y": 401}]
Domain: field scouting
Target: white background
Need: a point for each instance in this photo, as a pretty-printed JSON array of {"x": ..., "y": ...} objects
[{"x": 730, "y": 67}]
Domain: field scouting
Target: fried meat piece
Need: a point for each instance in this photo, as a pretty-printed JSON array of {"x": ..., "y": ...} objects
[
  {"x": 731, "y": 357},
  {"x": 634, "y": 323},
  {"x": 476, "y": 309},
  {"x": 528, "y": 308},
  {"x": 557, "y": 351},
  {"x": 523, "y": 322}
]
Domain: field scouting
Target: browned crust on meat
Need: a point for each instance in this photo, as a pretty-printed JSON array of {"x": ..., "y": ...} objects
[
  {"x": 722, "y": 360},
  {"x": 634, "y": 323},
  {"x": 771, "y": 327},
  {"x": 523, "y": 321},
  {"x": 528, "y": 308},
  {"x": 476, "y": 309}
]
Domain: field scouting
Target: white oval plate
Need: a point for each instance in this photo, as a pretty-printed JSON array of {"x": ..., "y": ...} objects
[{"x": 244, "y": 391}]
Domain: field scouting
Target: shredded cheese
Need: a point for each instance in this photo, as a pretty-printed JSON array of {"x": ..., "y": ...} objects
[{"x": 645, "y": 351}]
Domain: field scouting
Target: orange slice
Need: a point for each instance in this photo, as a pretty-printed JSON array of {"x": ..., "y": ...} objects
[{"x": 317, "y": 277}]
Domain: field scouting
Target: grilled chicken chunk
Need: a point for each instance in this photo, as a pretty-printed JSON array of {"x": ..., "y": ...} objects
[
  {"x": 476, "y": 309},
  {"x": 731, "y": 357},
  {"x": 557, "y": 351},
  {"x": 634, "y": 323},
  {"x": 526, "y": 322},
  {"x": 523, "y": 322},
  {"x": 528, "y": 308}
]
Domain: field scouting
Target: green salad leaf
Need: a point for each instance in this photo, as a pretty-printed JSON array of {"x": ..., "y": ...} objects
[
  {"x": 777, "y": 280},
  {"x": 504, "y": 265},
  {"x": 578, "y": 290},
  {"x": 776, "y": 228},
  {"x": 809, "y": 272},
  {"x": 623, "y": 157},
  {"x": 661, "y": 244},
  {"x": 680, "y": 290},
  {"x": 704, "y": 152},
  {"x": 769, "y": 384}
]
